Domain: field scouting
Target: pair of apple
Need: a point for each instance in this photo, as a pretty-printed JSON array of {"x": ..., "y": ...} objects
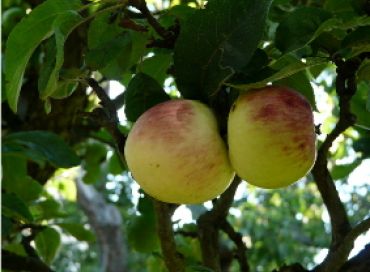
[{"x": 176, "y": 154}]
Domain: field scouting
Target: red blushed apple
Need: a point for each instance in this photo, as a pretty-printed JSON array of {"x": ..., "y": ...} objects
[
  {"x": 271, "y": 136},
  {"x": 175, "y": 153}
]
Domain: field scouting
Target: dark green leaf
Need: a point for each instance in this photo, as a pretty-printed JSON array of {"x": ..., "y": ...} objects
[
  {"x": 95, "y": 155},
  {"x": 78, "y": 231},
  {"x": 47, "y": 144},
  {"x": 12, "y": 205},
  {"x": 15, "y": 178},
  {"x": 105, "y": 53},
  {"x": 284, "y": 67},
  {"x": 358, "y": 105},
  {"x": 299, "y": 27},
  {"x": 62, "y": 27},
  {"x": 144, "y": 223},
  {"x": 363, "y": 72},
  {"x": 156, "y": 67},
  {"x": 47, "y": 209},
  {"x": 6, "y": 226},
  {"x": 34, "y": 28},
  {"x": 142, "y": 93},
  {"x": 358, "y": 41},
  {"x": 216, "y": 41},
  {"x": 47, "y": 244},
  {"x": 112, "y": 50},
  {"x": 344, "y": 170},
  {"x": 301, "y": 84}
]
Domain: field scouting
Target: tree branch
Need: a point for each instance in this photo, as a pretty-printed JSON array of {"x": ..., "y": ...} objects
[
  {"x": 173, "y": 260},
  {"x": 209, "y": 224},
  {"x": 346, "y": 88},
  {"x": 241, "y": 248},
  {"x": 336, "y": 258},
  {"x": 16, "y": 262},
  {"x": 142, "y": 6},
  {"x": 107, "y": 116},
  {"x": 358, "y": 263},
  {"x": 341, "y": 228},
  {"x": 106, "y": 221}
]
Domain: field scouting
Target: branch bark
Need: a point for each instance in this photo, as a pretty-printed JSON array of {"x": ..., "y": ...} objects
[
  {"x": 341, "y": 228},
  {"x": 337, "y": 258},
  {"x": 209, "y": 225},
  {"x": 106, "y": 221},
  {"x": 173, "y": 260},
  {"x": 241, "y": 249}
]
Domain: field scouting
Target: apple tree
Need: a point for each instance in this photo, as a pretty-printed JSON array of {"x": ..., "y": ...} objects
[{"x": 78, "y": 74}]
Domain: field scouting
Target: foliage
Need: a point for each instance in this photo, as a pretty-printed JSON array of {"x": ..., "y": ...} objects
[{"x": 56, "y": 130}]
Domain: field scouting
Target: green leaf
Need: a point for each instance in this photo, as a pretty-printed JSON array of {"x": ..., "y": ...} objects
[
  {"x": 344, "y": 170},
  {"x": 95, "y": 154},
  {"x": 363, "y": 72},
  {"x": 359, "y": 105},
  {"x": 47, "y": 209},
  {"x": 301, "y": 84},
  {"x": 358, "y": 41},
  {"x": 24, "y": 39},
  {"x": 15, "y": 178},
  {"x": 299, "y": 27},
  {"x": 145, "y": 223},
  {"x": 156, "y": 66},
  {"x": 62, "y": 26},
  {"x": 6, "y": 226},
  {"x": 287, "y": 67},
  {"x": 102, "y": 30},
  {"x": 78, "y": 231},
  {"x": 13, "y": 206},
  {"x": 112, "y": 49},
  {"x": 47, "y": 244},
  {"x": 48, "y": 145},
  {"x": 143, "y": 92},
  {"x": 216, "y": 41}
]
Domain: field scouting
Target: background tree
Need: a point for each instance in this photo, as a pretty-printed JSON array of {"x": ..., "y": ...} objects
[{"x": 68, "y": 200}]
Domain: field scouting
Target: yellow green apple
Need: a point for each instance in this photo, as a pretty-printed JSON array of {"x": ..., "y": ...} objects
[
  {"x": 271, "y": 136},
  {"x": 176, "y": 154}
]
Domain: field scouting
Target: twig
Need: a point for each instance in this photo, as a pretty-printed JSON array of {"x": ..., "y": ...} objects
[
  {"x": 107, "y": 116},
  {"x": 141, "y": 5},
  {"x": 173, "y": 260},
  {"x": 208, "y": 227},
  {"x": 241, "y": 248}
]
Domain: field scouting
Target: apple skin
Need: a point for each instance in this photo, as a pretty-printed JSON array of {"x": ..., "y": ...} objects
[
  {"x": 271, "y": 137},
  {"x": 175, "y": 153}
]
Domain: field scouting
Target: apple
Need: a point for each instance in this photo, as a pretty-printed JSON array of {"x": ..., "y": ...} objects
[
  {"x": 271, "y": 136},
  {"x": 176, "y": 154}
]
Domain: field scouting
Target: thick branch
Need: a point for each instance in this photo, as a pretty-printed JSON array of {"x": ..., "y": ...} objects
[
  {"x": 209, "y": 224},
  {"x": 241, "y": 249},
  {"x": 336, "y": 258},
  {"x": 106, "y": 221},
  {"x": 341, "y": 229},
  {"x": 346, "y": 88},
  {"x": 15, "y": 262},
  {"x": 173, "y": 260},
  {"x": 358, "y": 263}
]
